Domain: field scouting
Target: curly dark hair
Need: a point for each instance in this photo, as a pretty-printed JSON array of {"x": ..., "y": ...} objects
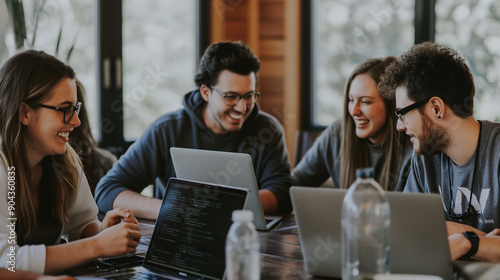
[
  {"x": 236, "y": 57},
  {"x": 428, "y": 70}
]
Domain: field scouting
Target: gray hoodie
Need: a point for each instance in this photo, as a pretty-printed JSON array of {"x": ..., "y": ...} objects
[{"x": 148, "y": 160}]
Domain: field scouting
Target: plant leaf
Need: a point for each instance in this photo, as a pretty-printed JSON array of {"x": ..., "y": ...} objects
[
  {"x": 16, "y": 13},
  {"x": 38, "y": 12},
  {"x": 73, "y": 44},
  {"x": 59, "y": 40}
]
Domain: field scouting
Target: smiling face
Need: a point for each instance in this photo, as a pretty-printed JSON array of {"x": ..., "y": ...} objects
[
  {"x": 218, "y": 116},
  {"x": 367, "y": 109},
  {"x": 426, "y": 136},
  {"x": 46, "y": 132}
]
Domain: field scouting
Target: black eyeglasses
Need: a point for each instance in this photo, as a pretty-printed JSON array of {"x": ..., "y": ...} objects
[
  {"x": 232, "y": 98},
  {"x": 401, "y": 112},
  {"x": 68, "y": 111}
]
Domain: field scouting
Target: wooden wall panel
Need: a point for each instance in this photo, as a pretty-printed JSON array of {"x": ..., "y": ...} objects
[
  {"x": 236, "y": 31},
  {"x": 271, "y": 47},
  {"x": 268, "y": 26}
]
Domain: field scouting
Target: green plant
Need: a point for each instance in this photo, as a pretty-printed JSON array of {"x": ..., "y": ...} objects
[
  {"x": 15, "y": 9},
  {"x": 17, "y": 17}
]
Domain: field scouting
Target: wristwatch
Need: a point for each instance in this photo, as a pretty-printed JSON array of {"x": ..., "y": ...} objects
[{"x": 474, "y": 241}]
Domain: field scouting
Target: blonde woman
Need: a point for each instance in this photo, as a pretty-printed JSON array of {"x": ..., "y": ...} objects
[
  {"x": 365, "y": 137},
  {"x": 44, "y": 192}
]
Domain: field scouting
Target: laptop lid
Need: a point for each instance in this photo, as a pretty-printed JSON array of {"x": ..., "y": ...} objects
[
  {"x": 227, "y": 168},
  {"x": 190, "y": 231},
  {"x": 418, "y": 237}
]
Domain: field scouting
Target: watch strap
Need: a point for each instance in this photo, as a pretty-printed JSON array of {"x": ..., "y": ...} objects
[{"x": 474, "y": 241}]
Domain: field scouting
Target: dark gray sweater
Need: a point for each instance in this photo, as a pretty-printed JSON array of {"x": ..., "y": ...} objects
[
  {"x": 322, "y": 161},
  {"x": 148, "y": 160}
]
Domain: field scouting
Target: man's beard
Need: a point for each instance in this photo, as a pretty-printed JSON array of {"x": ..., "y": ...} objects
[{"x": 433, "y": 139}]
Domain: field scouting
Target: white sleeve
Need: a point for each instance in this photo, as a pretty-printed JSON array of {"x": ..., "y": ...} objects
[
  {"x": 28, "y": 257},
  {"x": 83, "y": 212}
]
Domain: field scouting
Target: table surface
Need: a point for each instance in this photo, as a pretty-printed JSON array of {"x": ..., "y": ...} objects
[{"x": 281, "y": 255}]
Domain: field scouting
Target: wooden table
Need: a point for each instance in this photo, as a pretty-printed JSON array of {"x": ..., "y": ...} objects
[{"x": 281, "y": 254}]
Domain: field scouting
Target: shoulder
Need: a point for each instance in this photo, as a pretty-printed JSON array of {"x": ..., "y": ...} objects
[
  {"x": 332, "y": 133},
  {"x": 166, "y": 124},
  {"x": 335, "y": 128},
  {"x": 491, "y": 131},
  {"x": 170, "y": 118}
]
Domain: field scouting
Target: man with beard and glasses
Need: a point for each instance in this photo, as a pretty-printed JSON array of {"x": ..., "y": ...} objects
[
  {"x": 455, "y": 155},
  {"x": 221, "y": 114}
]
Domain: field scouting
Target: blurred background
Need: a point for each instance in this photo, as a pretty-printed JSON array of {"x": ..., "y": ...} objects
[{"x": 137, "y": 59}]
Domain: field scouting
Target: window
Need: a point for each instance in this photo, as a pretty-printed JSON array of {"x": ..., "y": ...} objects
[
  {"x": 471, "y": 28},
  {"x": 346, "y": 33},
  {"x": 148, "y": 54},
  {"x": 159, "y": 52},
  {"x": 132, "y": 56}
]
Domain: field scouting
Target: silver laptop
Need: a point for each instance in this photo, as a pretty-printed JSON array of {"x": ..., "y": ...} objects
[
  {"x": 189, "y": 237},
  {"x": 419, "y": 241},
  {"x": 232, "y": 169}
]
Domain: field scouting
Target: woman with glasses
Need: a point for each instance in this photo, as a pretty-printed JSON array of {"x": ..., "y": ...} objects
[
  {"x": 45, "y": 194},
  {"x": 365, "y": 137}
]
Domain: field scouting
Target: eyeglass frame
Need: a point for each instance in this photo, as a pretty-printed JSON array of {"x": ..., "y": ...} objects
[
  {"x": 76, "y": 108},
  {"x": 254, "y": 92},
  {"x": 400, "y": 114}
]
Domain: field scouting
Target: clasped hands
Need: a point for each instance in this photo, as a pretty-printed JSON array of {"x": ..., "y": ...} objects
[{"x": 119, "y": 233}]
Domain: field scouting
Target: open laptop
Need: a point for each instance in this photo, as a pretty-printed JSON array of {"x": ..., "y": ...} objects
[
  {"x": 233, "y": 169},
  {"x": 189, "y": 237},
  {"x": 418, "y": 237}
]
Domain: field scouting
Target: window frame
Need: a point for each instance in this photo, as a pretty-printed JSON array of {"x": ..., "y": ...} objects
[{"x": 424, "y": 31}]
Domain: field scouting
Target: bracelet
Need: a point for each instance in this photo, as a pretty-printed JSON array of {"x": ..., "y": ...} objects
[{"x": 474, "y": 241}]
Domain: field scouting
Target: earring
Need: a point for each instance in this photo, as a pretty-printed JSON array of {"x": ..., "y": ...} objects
[{"x": 439, "y": 117}]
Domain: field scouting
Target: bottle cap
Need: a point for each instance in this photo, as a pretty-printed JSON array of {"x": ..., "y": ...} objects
[
  {"x": 364, "y": 172},
  {"x": 242, "y": 216}
]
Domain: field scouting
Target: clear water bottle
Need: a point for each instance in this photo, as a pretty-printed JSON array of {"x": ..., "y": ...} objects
[
  {"x": 242, "y": 248},
  {"x": 365, "y": 229}
]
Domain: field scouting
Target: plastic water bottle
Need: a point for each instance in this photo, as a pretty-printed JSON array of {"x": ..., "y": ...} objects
[
  {"x": 365, "y": 229},
  {"x": 242, "y": 248}
]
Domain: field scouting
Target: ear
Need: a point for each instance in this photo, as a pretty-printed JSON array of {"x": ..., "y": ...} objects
[
  {"x": 438, "y": 107},
  {"x": 204, "y": 91},
  {"x": 25, "y": 113}
]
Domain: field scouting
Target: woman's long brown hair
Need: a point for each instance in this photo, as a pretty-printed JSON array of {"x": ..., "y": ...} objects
[{"x": 354, "y": 151}]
